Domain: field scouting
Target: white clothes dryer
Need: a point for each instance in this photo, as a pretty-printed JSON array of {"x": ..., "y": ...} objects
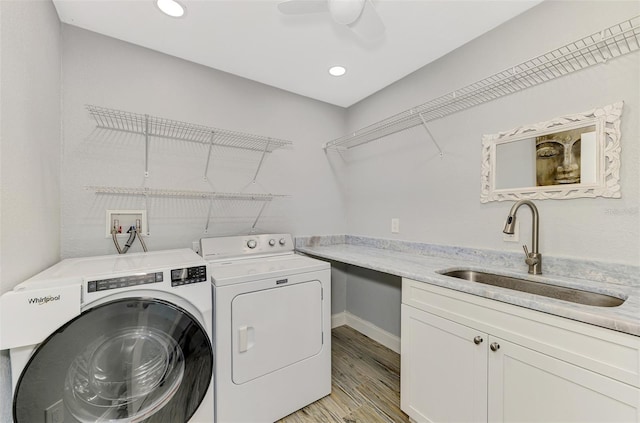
[
  {"x": 124, "y": 338},
  {"x": 272, "y": 326}
]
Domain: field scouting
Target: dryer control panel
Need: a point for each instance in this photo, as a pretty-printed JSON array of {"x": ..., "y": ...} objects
[{"x": 245, "y": 246}]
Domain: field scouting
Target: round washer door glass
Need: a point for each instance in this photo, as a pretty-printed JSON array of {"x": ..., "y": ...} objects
[{"x": 130, "y": 360}]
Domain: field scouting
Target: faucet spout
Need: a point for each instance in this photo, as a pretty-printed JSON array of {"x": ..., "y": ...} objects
[{"x": 533, "y": 258}]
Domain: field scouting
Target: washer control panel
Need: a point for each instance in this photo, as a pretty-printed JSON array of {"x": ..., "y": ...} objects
[
  {"x": 124, "y": 281},
  {"x": 188, "y": 275},
  {"x": 179, "y": 277}
]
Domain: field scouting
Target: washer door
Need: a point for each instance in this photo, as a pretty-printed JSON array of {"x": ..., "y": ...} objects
[{"x": 129, "y": 360}]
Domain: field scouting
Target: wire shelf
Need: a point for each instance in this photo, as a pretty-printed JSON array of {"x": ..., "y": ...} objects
[
  {"x": 136, "y": 123},
  {"x": 151, "y": 192},
  {"x": 594, "y": 49}
]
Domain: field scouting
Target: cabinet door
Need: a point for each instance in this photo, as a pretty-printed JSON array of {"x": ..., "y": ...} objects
[
  {"x": 443, "y": 369},
  {"x": 527, "y": 386}
]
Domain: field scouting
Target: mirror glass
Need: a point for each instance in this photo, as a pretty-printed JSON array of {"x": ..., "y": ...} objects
[
  {"x": 560, "y": 158},
  {"x": 567, "y": 157}
]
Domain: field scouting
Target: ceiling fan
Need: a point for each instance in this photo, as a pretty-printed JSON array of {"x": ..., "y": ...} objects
[{"x": 358, "y": 15}]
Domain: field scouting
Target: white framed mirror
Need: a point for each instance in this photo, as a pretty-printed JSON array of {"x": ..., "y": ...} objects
[{"x": 571, "y": 156}]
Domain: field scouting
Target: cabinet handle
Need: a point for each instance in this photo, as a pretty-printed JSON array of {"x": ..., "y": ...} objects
[
  {"x": 477, "y": 340},
  {"x": 494, "y": 346}
]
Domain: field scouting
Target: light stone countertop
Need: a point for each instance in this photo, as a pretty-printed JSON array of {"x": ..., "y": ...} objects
[{"x": 425, "y": 262}]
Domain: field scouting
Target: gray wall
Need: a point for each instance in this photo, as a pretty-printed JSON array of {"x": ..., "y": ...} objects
[
  {"x": 437, "y": 200},
  {"x": 110, "y": 73},
  {"x": 339, "y": 277},
  {"x": 30, "y": 162},
  {"x": 29, "y": 149},
  {"x": 375, "y": 297}
]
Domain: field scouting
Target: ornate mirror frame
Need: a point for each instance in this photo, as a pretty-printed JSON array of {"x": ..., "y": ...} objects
[{"x": 607, "y": 184}]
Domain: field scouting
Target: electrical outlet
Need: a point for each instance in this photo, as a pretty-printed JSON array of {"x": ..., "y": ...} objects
[
  {"x": 54, "y": 413},
  {"x": 516, "y": 234},
  {"x": 395, "y": 225},
  {"x": 122, "y": 220}
]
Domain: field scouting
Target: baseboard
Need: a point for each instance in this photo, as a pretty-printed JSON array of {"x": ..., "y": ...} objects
[
  {"x": 367, "y": 328},
  {"x": 338, "y": 319}
]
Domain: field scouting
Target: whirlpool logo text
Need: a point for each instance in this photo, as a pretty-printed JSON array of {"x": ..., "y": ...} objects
[{"x": 44, "y": 300}]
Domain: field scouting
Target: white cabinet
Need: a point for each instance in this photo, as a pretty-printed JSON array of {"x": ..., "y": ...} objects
[
  {"x": 470, "y": 359},
  {"x": 444, "y": 372},
  {"x": 525, "y": 385}
]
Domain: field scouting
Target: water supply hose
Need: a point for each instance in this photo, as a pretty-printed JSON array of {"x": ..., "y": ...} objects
[
  {"x": 133, "y": 230},
  {"x": 144, "y": 246},
  {"x": 115, "y": 240},
  {"x": 132, "y": 237}
]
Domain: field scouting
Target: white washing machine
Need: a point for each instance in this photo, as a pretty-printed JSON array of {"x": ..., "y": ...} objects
[
  {"x": 123, "y": 338},
  {"x": 272, "y": 327}
]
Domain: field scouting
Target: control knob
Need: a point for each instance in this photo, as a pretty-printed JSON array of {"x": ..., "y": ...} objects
[
  {"x": 252, "y": 243},
  {"x": 282, "y": 241},
  {"x": 272, "y": 242}
]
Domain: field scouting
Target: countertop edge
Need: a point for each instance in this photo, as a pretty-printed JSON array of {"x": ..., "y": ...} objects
[{"x": 624, "y": 318}]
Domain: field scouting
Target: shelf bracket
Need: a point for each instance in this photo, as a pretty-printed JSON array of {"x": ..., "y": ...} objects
[
  {"x": 264, "y": 153},
  {"x": 255, "y": 222},
  {"x": 424, "y": 123},
  {"x": 146, "y": 207},
  {"x": 206, "y": 167},
  {"x": 604, "y": 57},
  {"x": 146, "y": 146},
  {"x": 206, "y": 226}
]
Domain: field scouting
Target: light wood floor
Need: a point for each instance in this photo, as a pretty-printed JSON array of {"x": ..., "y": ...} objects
[{"x": 365, "y": 384}]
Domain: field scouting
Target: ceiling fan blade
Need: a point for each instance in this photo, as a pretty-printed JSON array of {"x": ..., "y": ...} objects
[
  {"x": 301, "y": 7},
  {"x": 369, "y": 25}
]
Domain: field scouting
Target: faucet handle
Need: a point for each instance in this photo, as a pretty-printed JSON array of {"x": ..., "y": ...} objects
[{"x": 530, "y": 258}]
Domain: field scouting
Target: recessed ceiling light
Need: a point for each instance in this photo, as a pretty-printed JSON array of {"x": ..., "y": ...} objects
[
  {"x": 171, "y": 8},
  {"x": 337, "y": 70}
]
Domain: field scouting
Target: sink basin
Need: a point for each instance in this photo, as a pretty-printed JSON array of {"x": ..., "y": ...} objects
[{"x": 551, "y": 291}]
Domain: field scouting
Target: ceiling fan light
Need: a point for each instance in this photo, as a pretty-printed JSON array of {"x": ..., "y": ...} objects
[
  {"x": 171, "y": 8},
  {"x": 337, "y": 70}
]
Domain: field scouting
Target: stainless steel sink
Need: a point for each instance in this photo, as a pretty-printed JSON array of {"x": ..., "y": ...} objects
[{"x": 551, "y": 291}]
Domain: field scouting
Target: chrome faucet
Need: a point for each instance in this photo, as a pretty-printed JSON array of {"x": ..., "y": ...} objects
[{"x": 533, "y": 258}]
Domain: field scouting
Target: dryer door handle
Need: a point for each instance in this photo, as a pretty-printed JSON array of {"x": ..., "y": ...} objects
[{"x": 246, "y": 338}]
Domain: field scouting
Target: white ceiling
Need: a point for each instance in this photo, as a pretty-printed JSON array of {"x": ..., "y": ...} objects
[{"x": 252, "y": 39}]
